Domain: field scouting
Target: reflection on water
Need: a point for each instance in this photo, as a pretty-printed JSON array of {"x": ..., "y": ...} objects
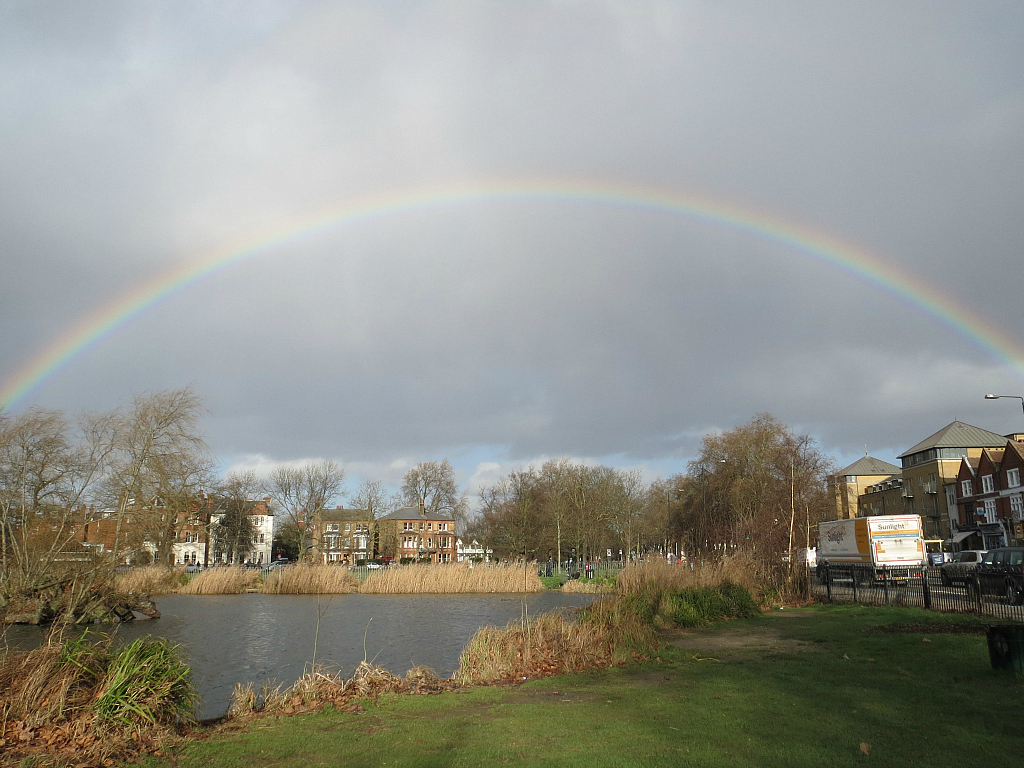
[{"x": 229, "y": 639}]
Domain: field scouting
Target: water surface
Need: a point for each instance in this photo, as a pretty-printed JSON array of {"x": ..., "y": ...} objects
[{"x": 228, "y": 639}]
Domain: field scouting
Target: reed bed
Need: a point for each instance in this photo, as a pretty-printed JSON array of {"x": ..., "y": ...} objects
[
  {"x": 149, "y": 580},
  {"x": 78, "y": 702},
  {"x": 319, "y": 687},
  {"x": 221, "y": 581},
  {"x": 310, "y": 579},
  {"x": 641, "y": 577},
  {"x": 452, "y": 578}
]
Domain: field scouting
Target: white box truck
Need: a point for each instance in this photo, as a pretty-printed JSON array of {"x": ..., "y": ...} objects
[{"x": 892, "y": 544}]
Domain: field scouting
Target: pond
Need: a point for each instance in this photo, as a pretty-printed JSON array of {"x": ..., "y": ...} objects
[{"x": 229, "y": 639}]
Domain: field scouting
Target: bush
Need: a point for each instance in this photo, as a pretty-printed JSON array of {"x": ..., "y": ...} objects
[{"x": 85, "y": 702}]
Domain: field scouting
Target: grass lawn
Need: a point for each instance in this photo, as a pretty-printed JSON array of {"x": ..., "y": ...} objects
[{"x": 809, "y": 687}]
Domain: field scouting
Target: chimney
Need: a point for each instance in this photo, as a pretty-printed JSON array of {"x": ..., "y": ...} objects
[
  {"x": 423, "y": 508},
  {"x": 340, "y": 506}
]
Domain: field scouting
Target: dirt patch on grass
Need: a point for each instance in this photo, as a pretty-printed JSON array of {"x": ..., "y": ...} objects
[{"x": 765, "y": 634}]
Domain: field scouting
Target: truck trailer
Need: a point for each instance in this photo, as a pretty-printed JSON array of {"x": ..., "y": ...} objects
[{"x": 878, "y": 548}]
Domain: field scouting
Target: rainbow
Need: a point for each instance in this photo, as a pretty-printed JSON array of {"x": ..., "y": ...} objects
[{"x": 106, "y": 320}]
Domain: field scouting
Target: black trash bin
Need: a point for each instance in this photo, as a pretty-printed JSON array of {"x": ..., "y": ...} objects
[{"x": 1006, "y": 647}]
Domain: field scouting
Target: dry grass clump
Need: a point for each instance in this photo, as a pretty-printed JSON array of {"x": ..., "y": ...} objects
[
  {"x": 318, "y": 688},
  {"x": 585, "y": 586},
  {"x": 80, "y": 703},
  {"x": 221, "y": 581},
  {"x": 451, "y": 578},
  {"x": 149, "y": 580},
  {"x": 310, "y": 579},
  {"x": 548, "y": 645}
]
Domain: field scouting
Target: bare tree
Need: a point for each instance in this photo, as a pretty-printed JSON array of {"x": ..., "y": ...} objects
[
  {"x": 159, "y": 457},
  {"x": 432, "y": 485},
  {"x": 511, "y": 516},
  {"x": 745, "y": 488},
  {"x": 304, "y": 491},
  {"x": 377, "y": 502}
]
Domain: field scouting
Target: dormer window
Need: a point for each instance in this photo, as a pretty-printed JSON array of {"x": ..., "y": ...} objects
[
  {"x": 966, "y": 489},
  {"x": 987, "y": 484},
  {"x": 1013, "y": 477}
]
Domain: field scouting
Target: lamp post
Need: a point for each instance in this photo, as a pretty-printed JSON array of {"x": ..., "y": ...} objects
[{"x": 1012, "y": 397}]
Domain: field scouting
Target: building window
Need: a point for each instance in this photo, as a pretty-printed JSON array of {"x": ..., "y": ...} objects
[
  {"x": 966, "y": 489},
  {"x": 987, "y": 484},
  {"x": 1012, "y": 477},
  {"x": 990, "y": 510},
  {"x": 1017, "y": 506}
]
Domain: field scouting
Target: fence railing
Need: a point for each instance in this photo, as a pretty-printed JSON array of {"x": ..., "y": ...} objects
[{"x": 923, "y": 587}]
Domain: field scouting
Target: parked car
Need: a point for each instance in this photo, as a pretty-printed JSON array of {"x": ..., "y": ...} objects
[
  {"x": 1001, "y": 572},
  {"x": 960, "y": 570},
  {"x": 193, "y": 568}
]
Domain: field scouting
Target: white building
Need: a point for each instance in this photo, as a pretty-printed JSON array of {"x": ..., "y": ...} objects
[{"x": 472, "y": 551}]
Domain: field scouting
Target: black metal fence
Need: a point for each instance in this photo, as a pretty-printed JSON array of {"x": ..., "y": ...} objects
[{"x": 923, "y": 587}]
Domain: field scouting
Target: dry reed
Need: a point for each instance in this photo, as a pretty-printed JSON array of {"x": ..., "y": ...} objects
[
  {"x": 451, "y": 578},
  {"x": 221, "y": 581},
  {"x": 584, "y": 586},
  {"x": 149, "y": 580},
  {"x": 551, "y": 644},
  {"x": 310, "y": 579},
  {"x": 658, "y": 574},
  {"x": 319, "y": 687}
]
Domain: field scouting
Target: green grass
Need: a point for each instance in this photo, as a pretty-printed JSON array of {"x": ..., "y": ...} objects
[
  {"x": 551, "y": 582},
  {"x": 774, "y": 690}
]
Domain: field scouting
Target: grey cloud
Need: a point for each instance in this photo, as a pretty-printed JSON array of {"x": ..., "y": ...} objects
[{"x": 140, "y": 135}]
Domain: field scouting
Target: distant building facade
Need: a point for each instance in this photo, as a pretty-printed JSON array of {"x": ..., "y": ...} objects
[{"x": 851, "y": 482}]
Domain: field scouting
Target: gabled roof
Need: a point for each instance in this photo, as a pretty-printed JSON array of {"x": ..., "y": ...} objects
[
  {"x": 958, "y": 435},
  {"x": 869, "y": 465},
  {"x": 1018, "y": 448},
  {"x": 994, "y": 456},
  {"x": 414, "y": 513}
]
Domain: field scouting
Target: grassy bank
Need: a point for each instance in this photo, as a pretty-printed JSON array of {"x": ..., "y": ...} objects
[{"x": 809, "y": 687}]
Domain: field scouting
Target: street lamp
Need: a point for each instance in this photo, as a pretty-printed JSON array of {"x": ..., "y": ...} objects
[{"x": 1012, "y": 397}]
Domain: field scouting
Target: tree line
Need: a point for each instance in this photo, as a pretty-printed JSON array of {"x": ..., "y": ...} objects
[
  {"x": 146, "y": 470},
  {"x": 759, "y": 488}
]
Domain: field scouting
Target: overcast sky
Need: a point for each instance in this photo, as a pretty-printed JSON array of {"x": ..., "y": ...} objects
[{"x": 135, "y": 136}]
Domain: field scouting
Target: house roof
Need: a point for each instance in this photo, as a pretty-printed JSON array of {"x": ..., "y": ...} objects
[
  {"x": 869, "y": 465},
  {"x": 414, "y": 513},
  {"x": 958, "y": 435},
  {"x": 1018, "y": 448},
  {"x": 332, "y": 515}
]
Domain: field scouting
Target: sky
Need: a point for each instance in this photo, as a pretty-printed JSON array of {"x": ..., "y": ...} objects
[{"x": 499, "y": 232}]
